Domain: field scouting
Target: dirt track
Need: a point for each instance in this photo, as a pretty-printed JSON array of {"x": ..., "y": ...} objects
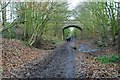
[{"x": 60, "y": 64}]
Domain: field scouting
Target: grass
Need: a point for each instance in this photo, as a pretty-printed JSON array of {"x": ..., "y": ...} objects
[{"x": 108, "y": 59}]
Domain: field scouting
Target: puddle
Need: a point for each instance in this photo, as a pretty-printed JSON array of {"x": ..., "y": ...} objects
[{"x": 86, "y": 48}]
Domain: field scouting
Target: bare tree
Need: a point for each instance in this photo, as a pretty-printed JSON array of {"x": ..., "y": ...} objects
[
  {"x": 3, "y": 13},
  {"x": 119, "y": 26}
]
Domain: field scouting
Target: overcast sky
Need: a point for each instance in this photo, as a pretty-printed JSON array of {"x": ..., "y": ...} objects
[{"x": 73, "y": 3}]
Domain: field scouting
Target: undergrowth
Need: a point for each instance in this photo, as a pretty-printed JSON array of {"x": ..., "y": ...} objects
[{"x": 108, "y": 59}]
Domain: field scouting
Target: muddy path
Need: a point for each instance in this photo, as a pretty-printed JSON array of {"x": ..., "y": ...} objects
[
  {"x": 58, "y": 65},
  {"x": 61, "y": 65}
]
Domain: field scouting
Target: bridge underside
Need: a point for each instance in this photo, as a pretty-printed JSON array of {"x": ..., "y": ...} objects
[{"x": 75, "y": 26}]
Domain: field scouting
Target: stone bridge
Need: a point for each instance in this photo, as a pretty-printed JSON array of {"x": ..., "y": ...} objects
[{"x": 71, "y": 23}]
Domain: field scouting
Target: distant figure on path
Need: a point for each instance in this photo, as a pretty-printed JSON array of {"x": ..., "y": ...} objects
[{"x": 68, "y": 39}]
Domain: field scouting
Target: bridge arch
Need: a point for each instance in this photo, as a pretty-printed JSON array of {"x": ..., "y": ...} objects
[{"x": 68, "y": 26}]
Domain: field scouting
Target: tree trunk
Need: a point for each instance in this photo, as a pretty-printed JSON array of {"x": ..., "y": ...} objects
[
  {"x": 3, "y": 14},
  {"x": 119, "y": 42},
  {"x": 119, "y": 27}
]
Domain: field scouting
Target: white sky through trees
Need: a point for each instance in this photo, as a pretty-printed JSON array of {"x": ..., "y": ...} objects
[
  {"x": 71, "y": 6},
  {"x": 73, "y": 3}
]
